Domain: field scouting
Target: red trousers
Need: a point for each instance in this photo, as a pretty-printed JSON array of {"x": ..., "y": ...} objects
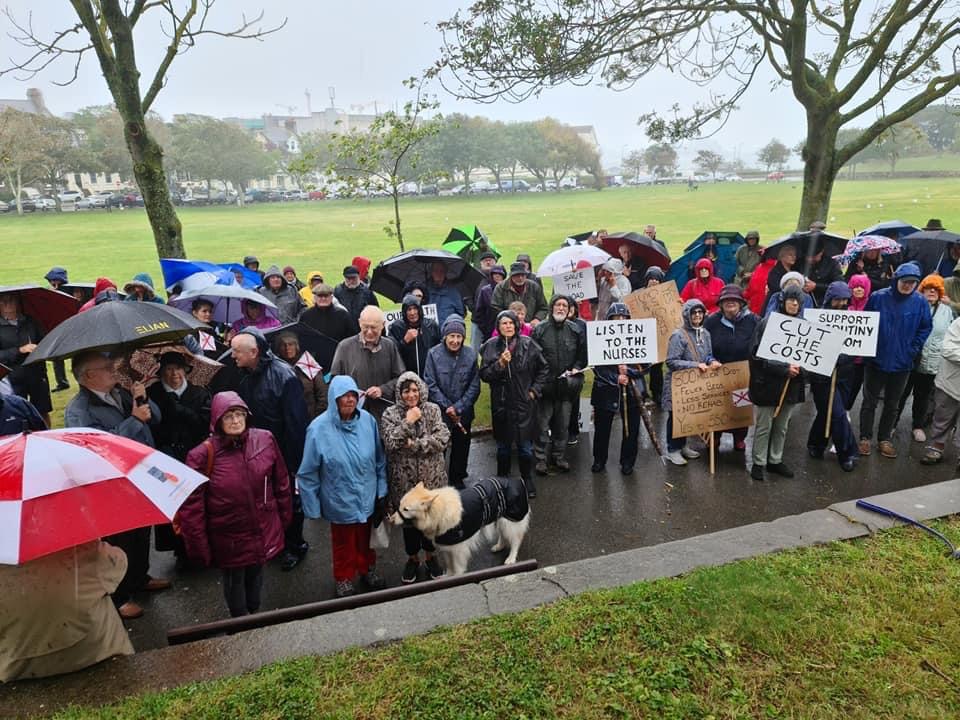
[{"x": 352, "y": 555}]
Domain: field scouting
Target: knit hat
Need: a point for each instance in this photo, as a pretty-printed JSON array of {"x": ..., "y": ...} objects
[
  {"x": 453, "y": 324},
  {"x": 732, "y": 292},
  {"x": 289, "y": 269},
  {"x": 933, "y": 281},
  {"x": 792, "y": 275}
]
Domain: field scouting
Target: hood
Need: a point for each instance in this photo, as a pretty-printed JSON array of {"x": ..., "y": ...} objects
[
  {"x": 262, "y": 345},
  {"x": 402, "y": 380},
  {"x": 688, "y": 308},
  {"x": 244, "y": 304},
  {"x": 58, "y": 274},
  {"x": 453, "y": 324},
  {"x": 103, "y": 284},
  {"x": 412, "y": 285},
  {"x": 340, "y": 385},
  {"x": 837, "y": 290},
  {"x": 614, "y": 265},
  {"x": 560, "y": 296},
  {"x": 222, "y": 402},
  {"x": 908, "y": 269},
  {"x": 362, "y": 264},
  {"x": 789, "y": 293},
  {"x": 792, "y": 275},
  {"x": 274, "y": 271},
  {"x": 513, "y": 316},
  {"x": 933, "y": 281},
  {"x": 617, "y": 309},
  {"x": 497, "y": 269},
  {"x": 860, "y": 280},
  {"x": 141, "y": 280},
  {"x": 410, "y": 301},
  {"x": 314, "y": 275},
  {"x": 653, "y": 273},
  {"x": 703, "y": 263},
  {"x": 248, "y": 259}
]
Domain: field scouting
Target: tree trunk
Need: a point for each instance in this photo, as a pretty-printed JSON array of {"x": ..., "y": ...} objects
[
  {"x": 819, "y": 171},
  {"x": 152, "y": 181},
  {"x": 396, "y": 215}
]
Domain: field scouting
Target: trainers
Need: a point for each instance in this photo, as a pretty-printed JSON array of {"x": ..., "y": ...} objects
[
  {"x": 289, "y": 561},
  {"x": 562, "y": 465},
  {"x": 410, "y": 571},
  {"x": 541, "y": 467},
  {"x": 689, "y": 453},
  {"x": 676, "y": 457},
  {"x": 864, "y": 447},
  {"x": 756, "y": 472},
  {"x": 919, "y": 435},
  {"x": 373, "y": 580},
  {"x": 780, "y": 469},
  {"x": 849, "y": 465},
  {"x": 887, "y": 449},
  {"x": 344, "y": 589},
  {"x": 931, "y": 456},
  {"x": 573, "y": 440},
  {"x": 433, "y": 567}
]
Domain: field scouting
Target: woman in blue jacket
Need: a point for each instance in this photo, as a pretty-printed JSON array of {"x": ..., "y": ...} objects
[{"x": 343, "y": 479}]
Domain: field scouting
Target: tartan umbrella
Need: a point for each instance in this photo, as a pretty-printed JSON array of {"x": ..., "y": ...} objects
[{"x": 62, "y": 488}]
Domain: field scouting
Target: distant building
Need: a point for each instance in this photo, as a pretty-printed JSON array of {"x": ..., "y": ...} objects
[
  {"x": 588, "y": 135},
  {"x": 33, "y": 104}
]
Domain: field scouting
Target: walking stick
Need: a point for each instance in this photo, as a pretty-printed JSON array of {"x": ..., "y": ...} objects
[
  {"x": 783, "y": 395},
  {"x": 626, "y": 412},
  {"x": 646, "y": 419},
  {"x": 711, "y": 447},
  {"x": 833, "y": 390}
]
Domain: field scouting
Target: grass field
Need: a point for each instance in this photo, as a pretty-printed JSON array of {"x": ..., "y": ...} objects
[
  {"x": 326, "y": 235},
  {"x": 865, "y": 629}
]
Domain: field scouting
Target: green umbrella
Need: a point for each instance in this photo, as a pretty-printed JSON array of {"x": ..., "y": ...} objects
[{"x": 468, "y": 242}]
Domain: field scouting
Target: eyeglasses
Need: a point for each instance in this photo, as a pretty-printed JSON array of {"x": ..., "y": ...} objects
[{"x": 234, "y": 414}]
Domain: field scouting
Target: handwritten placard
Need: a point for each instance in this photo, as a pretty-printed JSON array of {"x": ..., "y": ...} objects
[
  {"x": 859, "y": 329},
  {"x": 796, "y": 341},
  {"x": 661, "y": 302},
  {"x": 710, "y": 401},
  {"x": 392, "y": 316},
  {"x": 579, "y": 284},
  {"x": 612, "y": 342}
]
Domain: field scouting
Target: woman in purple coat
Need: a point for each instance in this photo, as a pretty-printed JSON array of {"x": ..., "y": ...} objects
[{"x": 236, "y": 520}]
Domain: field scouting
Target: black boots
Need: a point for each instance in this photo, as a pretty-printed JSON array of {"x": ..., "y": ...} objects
[
  {"x": 526, "y": 474},
  {"x": 503, "y": 466}
]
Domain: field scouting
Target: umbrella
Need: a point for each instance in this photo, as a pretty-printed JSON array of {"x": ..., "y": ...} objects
[
  {"x": 115, "y": 326},
  {"x": 806, "y": 241},
  {"x": 650, "y": 252},
  {"x": 62, "y": 488},
  {"x": 862, "y": 243},
  {"x": 251, "y": 278},
  {"x": 725, "y": 265},
  {"x": 189, "y": 274},
  {"x": 928, "y": 248},
  {"x": 143, "y": 365},
  {"x": 321, "y": 346},
  {"x": 895, "y": 229},
  {"x": 469, "y": 242},
  {"x": 392, "y": 274},
  {"x": 84, "y": 291},
  {"x": 225, "y": 299},
  {"x": 578, "y": 238},
  {"x": 48, "y": 307},
  {"x": 567, "y": 259}
]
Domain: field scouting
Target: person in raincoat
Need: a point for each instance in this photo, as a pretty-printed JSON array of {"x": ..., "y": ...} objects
[
  {"x": 343, "y": 479},
  {"x": 414, "y": 335},
  {"x": 415, "y": 438},
  {"x": 516, "y": 371},
  {"x": 290, "y": 275},
  {"x": 314, "y": 278},
  {"x": 748, "y": 257},
  {"x": 282, "y": 294},
  {"x": 140, "y": 289},
  {"x": 19, "y": 335},
  {"x": 612, "y": 286},
  {"x": 253, "y": 315},
  {"x": 756, "y": 290},
  {"x": 946, "y": 397},
  {"x": 326, "y": 316},
  {"x": 860, "y": 288},
  {"x": 236, "y": 520},
  {"x": 57, "y": 277},
  {"x": 705, "y": 286}
]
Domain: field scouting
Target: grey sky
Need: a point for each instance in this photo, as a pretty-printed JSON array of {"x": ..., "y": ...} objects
[{"x": 364, "y": 49}]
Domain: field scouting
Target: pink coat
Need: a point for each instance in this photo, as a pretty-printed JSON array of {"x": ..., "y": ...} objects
[{"x": 237, "y": 517}]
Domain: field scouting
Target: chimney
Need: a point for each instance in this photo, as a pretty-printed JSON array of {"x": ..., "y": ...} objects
[{"x": 36, "y": 98}]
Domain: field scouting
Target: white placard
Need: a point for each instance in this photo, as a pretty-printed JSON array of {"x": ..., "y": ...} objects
[
  {"x": 859, "y": 329},
  {"x": 612, "y": 342},
  {"x": 429, "y": 311},
  {"x": 793, "y": 340},
  {"x": 580, "y": 284}
]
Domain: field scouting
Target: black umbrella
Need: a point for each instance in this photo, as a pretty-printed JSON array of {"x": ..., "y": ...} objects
[
  {"x": 393, "y": 274},
  {"x": 83, "y": 291},
  {"x": 115, "y": 327},
  {"x": 807, "y": 243},
  {"x": 927, "y": 248},
  {"x": 321, "y": 346},
  {"x": 650, "y": 252}
]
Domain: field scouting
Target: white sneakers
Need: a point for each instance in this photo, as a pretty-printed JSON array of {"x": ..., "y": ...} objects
[
  {"x": 689, "y": 453},
  {"x": 919, "y": 435},
  {"x": 676, "y": 457}
]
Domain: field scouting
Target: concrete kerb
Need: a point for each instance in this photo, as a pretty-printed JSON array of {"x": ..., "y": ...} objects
[{"x": 226, "y": 656}]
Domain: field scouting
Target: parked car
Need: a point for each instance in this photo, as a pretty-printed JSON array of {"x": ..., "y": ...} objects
[
  {"x": 458, "y": 190},
  {"x": 514, "y": 186},
  {"x": 100, "y": 199},
  {"x": 4, "y": 207},
  {"x": 84, "y": 204},
  {"x": 775, "y": 176},
  {"x": 70, "y": 196},
  {"x": 731, "y": 177},
  {"x": 26, "y": 205},
  {"x": 114, "y": 201},
  {"x": 569, "y": 183},
  {"x": 429, "y": 190},
  {"x": 316, "y": 195},
  {"x": 290, "y": 195},
  {"x": 134, "y": 199},
  {"x": 481, "y": 187},
  {"x": 45, "y": 203},
  {"x": 274, "y": 195}
]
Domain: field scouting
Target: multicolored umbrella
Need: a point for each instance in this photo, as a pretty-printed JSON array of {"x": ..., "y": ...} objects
[
  {"x": 862, "y": 243},
  {"x": 469, "y": 242},
  {"x": 567, "y": 259},
  {"x": 143, "y": 365},
  {"x": 62, "y": 488}
]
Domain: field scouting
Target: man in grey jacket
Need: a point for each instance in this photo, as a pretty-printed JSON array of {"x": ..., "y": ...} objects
[{"x": 102, "y": 404}]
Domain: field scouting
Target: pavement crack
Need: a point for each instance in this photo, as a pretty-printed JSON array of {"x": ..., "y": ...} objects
[
  {"x": 855, "y": 521},
  {"x": 554, "y": 582},
  {"x": 486, "y": 597}
]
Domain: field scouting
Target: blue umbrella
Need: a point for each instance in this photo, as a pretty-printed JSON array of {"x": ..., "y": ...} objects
[
  {"x": 725, "y": 267},
  {"x": 175, "y": 271},
  {"x": 895, "y": 229},
  {"x": 251, "y": 278}
]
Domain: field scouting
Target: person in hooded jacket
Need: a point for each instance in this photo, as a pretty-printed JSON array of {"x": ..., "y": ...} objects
[
  {"x": 689, "y": 347},
  {"x": 731, "y": 330},
  {"x": 19, "y": 335},
  {"x": 235, "y": 521},
  {"x": 362, "y": 264},
  {"x": 564, "y": 347},
  {"x": 343, "y": 479},
  {"x": 57, "y": 277},
  {"x": 836, "y": 297},
  {"x": 252, "y": 263},
  {"x": 286, "y": 346},
  {"x": 613, "y": 395},
  {"x": 875, "y": 266},
  {"x": 654, "y": 381},
  {"x": 756, "y": 290},
  {"x": 484, "y": 315},
  {"x": 705, "y": 286},
  {"x": 415, "y": 439},
  {"x": 453, "y": 380},
  {"x": 905, "y": 324},
  {"x": 860, "y": 287},
  {"x": 767, "y": 379},
  {"x": 414, "y": 335},
  {"x": 282, "y": 294},
  {"x": 326, "y": 316},
  {"x": 946, "y": 397},
  {"x": 290, "y": 275},
  {"x": 445, "y": 296},
  {"x": 791, "y": 278},
  {"x": 612, "y": 286},
  {"x": 274, "y": 395},
  {"x": 748, "y": 257},
  {"x": 516, "y": 371},
  {"x": 252, "y": 315},
  {"x": 141, "y": 289},
  {"x": 314, "y": 278},
  {"x": 104, "y": 290}
]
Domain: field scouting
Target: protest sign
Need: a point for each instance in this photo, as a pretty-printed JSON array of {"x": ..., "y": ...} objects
[
  {"x": 661, "y": 302},
  {"x": 612, "y": 342},
  {"x": 579, "y": 284},
  {"x": 858, "y": 329},
  {"x": 713, "y": 400},
  {"x": 796, "y": 341},
  {"x": 391, "y": 316}
]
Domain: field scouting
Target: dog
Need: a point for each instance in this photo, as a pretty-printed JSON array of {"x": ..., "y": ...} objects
[{"x": 456, "y": 521}]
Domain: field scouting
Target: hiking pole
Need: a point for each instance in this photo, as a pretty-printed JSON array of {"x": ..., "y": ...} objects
[
  {"x": 646, "y": 419},
  {"x": 833, "y": 390},
  {"x": 626, "y": 413},
  {"x": 954, "y": 553}
]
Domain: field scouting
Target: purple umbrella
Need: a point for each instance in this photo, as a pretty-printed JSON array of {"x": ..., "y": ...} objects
[{"x": 862, "y": 243}]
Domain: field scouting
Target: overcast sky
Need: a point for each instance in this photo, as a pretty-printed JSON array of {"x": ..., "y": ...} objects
[{"x": 364, "y": 49}]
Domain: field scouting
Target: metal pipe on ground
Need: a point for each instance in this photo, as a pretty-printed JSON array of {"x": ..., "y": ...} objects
[{"x": 190, "y": 633}]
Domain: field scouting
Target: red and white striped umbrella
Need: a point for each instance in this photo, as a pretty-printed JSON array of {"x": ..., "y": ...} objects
[{"x": 61, "y": 488}]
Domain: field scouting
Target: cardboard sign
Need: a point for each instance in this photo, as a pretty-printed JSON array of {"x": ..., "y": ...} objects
[
  {"x": 713, "y": 400},
  {"x": 391, "y": 316},
  {"x": 612, "y": 342},
  {"x": 661, "y": 302},
  {"x": 793, "y": 340},
  {"x": 580, "y": 284},
  {"x": 859, "y": 329}
]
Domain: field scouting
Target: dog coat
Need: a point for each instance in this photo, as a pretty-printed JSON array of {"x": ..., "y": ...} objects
[{"x": 484, "y": 502}]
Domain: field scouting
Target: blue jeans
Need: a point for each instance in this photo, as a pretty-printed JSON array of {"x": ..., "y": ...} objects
[{"x": 524, "y": 448}]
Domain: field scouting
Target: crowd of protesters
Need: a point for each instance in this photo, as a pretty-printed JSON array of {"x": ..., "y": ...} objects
[{"x": 397, "y": 404}]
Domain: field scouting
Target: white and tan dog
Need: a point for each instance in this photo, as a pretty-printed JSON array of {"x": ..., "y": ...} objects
[{"x": 455, "y": 521}]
